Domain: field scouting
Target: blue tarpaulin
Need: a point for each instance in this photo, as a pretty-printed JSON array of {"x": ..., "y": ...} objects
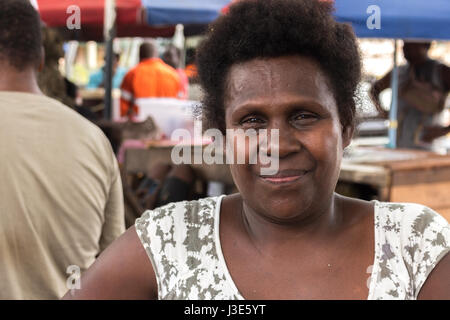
[
  {"x": 171, "y": 12},
  {"x": 401, "y": 19}
]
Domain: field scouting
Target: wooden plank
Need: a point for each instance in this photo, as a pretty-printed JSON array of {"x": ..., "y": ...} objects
[
  {"x": 367, "y": 174},
  {"x": 380, "y": 155},
  {"x": 424, "y": 164},
  {"x": 429, "y": 175},
  {"x": 433, "y": 195},
  {"x": 397, "y": 159}
]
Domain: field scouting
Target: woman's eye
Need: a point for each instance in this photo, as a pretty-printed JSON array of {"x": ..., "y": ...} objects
[
  {"x": 251, "y": 121},
  {"x": 305, "y": 118}
]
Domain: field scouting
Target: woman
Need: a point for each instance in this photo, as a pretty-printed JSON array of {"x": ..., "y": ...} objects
[{"x": 286, "y": 65}]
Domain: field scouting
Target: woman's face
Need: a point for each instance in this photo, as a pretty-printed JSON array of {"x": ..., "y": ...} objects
[{"x": 289, "y": 94}]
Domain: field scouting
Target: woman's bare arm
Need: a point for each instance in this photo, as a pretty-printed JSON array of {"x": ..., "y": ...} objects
[
  {"x": 375, "y": 91},
  {"x": 437, "y": 286},
  {"x": 122, "y": 271}
]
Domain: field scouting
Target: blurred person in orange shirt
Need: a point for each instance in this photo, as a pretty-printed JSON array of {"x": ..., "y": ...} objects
[{"x": 150, "y": 78}]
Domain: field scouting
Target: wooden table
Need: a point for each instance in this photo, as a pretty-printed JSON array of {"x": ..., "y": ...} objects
[
  {"x": 395, "y": 175},
  {"x": 140, "y": 160},
  {"x": 401, "y": 175}
]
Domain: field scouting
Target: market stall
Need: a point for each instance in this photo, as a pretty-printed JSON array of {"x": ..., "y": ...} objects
[
  {"x": 399, "y": 175},
  {"x": 105, "y": 20}
]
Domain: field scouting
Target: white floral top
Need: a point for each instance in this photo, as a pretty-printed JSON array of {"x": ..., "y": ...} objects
[{"x": 182, "y": 242}]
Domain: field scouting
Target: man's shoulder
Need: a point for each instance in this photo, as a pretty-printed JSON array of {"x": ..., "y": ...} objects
[
  {"x": 68, "y": 114},
  {"x": 18, "y": 101},
  {"x": 165, "y": 68},
  {"x": 50, "y": 111}
]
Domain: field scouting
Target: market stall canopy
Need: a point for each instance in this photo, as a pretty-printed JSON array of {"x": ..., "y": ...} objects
[
  {"x": 140, "y": 18},
  {"x": 56, "y": 13},
  {"x": 170, "y": 12},
  {"x": 401, "y": 19},
  {"x": 130, "y": 19}
]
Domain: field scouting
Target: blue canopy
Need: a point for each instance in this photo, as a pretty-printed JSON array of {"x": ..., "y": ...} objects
[
  {"x": 401, "y": 19},
  {"x": 171, "y": 12}
]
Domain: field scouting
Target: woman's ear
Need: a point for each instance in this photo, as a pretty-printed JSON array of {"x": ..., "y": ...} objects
[{"x": 347, "y": 135}]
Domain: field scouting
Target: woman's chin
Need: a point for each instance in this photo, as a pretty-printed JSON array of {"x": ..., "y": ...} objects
[{"x": 287, "y": 212}]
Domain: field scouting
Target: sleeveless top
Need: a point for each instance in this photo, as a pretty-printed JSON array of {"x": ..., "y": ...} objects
[{"x": 183, "y": 244}]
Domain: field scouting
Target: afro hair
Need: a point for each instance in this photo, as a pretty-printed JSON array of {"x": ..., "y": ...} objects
[{"x": 272, "y": 28}]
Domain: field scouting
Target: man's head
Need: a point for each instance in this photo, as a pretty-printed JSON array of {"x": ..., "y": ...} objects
[
  {"x": 20, "y": 35},
  {"x": 172, "y": 56},
  {"x": 416, "y": 52},
  {"x": 148, "y": 50}
]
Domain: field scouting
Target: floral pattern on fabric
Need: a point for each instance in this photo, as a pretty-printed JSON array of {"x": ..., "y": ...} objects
[
  {"x": 180, "y": 241},
  {"x": 410, "y": 240}
]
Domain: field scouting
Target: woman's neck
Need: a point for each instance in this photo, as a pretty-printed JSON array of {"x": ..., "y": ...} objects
[{"x": 267, "y": 234}]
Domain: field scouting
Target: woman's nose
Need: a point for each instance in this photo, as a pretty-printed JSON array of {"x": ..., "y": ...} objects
[{"x": 282, "y": 137}]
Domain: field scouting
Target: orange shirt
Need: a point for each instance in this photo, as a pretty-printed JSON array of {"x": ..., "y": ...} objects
[
  {"x": 191, "y": 71},
  {"x": 150, "y": 78}
]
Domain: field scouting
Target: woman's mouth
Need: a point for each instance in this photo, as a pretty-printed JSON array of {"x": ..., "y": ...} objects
[{"x": 285, "y": 176}]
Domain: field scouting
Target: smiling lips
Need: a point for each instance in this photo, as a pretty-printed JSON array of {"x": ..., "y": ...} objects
[{"x": 285, "y": 176}]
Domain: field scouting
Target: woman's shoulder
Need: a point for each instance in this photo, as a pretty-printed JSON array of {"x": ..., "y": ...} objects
[
  {"x": 414, "y": 219},
  {"x": 176, "y": 219},
  {"x": 188, "y": 211},
  {"x": 416, "y": 234},
  {"x": 414, "y": 225},
  {"x": 179, "y": 239},
  {"x": 410, "y": 240}
]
